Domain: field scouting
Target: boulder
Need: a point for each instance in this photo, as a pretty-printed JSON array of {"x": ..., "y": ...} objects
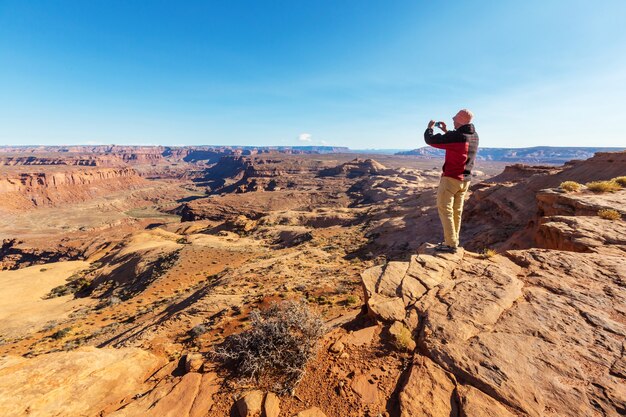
[
  {"x": 193, "y": 362},
  {"x": 337, "y": 347},
  {"x": 365, "y": 389},
  {"x": 271, "y": 406},
  {"x": 250, "y": 405}
]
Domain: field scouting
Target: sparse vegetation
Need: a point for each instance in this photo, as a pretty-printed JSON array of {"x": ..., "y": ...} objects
[
  {"x": 60, "y": 334},
  {"x": 603, "y": 186},
  {"x": 621, "y": 181},
  {"x": 402, "y": 338},
  {"x": 489, "y": 253},
  {"x": 278, "y": 344},
  {"x": 571, "y": 186},
  {"x": 76, "y": 285},
  {"x": 198, "y": 330},
  {"x": 351, "y": 300},
  {"x": 609, "y": 214}
]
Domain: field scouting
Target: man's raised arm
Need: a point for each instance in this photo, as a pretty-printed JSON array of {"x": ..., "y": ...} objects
[{"x": 438, "y": 140}]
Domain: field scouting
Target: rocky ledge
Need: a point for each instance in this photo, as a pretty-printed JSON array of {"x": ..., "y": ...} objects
[{"x": 536, "y": 333}]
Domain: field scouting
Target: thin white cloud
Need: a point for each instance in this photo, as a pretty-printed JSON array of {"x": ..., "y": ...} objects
[{"x": 304, "y": 137}]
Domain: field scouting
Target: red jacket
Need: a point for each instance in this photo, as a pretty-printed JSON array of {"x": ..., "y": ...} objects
[{"x": 461, "y": 146}]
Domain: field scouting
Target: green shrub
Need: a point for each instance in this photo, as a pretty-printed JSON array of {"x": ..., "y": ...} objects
[
  {"x": 351, "y": 300},
  {"x": 603, "y": 186},
  {"x": 570, "y": 186},
  {"x": 609, "y": 214}
]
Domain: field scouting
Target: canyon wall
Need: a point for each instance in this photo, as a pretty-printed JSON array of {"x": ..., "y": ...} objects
[{"x": 27, "y": 189}]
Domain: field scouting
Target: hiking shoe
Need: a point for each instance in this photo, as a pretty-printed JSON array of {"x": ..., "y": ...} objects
[{"x": 445, "y": 248}]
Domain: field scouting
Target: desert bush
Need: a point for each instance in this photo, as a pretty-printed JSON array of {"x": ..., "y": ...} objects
[
  {"x": 609, "y": 214},
  {"x": 278, "y": 344},
  {"x": 489, "y": 253},
  {"x": 621, "y": 181},
  {"x": 76, "y": 284},
  {"x": 570, "y": 186},
  {"x": 60, "y": 334},
  {"x": 198, "y": 330},
  {"x": 603, "y": 186},
  {"x": 351, "y": 300}
]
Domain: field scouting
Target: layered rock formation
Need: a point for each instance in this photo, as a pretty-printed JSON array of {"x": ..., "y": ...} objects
[
  {"x": 505, "y": 213},
  {"x": 26, "y": 189}
]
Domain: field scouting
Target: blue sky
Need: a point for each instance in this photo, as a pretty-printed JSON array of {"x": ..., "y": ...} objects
[{"x": 363, "y": 74}]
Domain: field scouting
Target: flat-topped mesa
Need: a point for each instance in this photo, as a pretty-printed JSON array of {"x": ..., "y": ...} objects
[
  {"x": 521, "y": 172},
  {"x": 59, "y": 159},
  {"x": 24, "y": 189},
  {"x": 356, "y": 168}
]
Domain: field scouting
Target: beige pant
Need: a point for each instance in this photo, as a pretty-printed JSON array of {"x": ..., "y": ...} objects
[{"x": 450, "y": 204}]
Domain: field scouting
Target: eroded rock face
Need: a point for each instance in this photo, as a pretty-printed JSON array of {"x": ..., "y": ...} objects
[
  {"x": 582, "y": 234},
  {"x": 78, "y": 383},
  {"x": 498, "y": 215},
  {"x": 31, "y": 189},
  {"x": 538, "y": 333}
]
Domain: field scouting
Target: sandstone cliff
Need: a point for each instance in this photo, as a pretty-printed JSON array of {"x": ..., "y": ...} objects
[{"x": 26, "y": 189}]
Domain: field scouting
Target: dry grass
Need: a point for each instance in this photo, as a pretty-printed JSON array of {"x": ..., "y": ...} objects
[
  {"x": 621, "y": 181},
  {"x": 403, "y": 339},
  {"x": 609, "y": 214},
  {"x": 352, "y": 300},
  {"x": 603, "y": 186},
  {"x": 489, "y": 253},
  {"x": 277, "y": 346},
  {"x": 570, "y": 186}
]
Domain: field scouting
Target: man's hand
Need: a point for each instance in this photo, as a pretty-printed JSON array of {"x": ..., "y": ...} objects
[
  {"x": 442, "y": 126},
  {"x": 431, "y": 124}
]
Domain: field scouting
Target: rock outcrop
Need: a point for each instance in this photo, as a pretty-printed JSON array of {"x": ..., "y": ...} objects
[
  {"x": 498, "y": 215},
  {"x": 537, "y": 333},
  {"x": 84, "y": 382}
]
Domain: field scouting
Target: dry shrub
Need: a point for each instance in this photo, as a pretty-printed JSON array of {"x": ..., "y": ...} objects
[
  {"x": 489, "y": 253},
  {"x": 352, "y": 300},
  {"x": 403, "y": 339},
  {"x": 603, "y": 186},
  {"x": 277, "y": 346},
  {"x": 609, "y": 214},
  {"x": 570, "y": 186},
  {"x": 621, "y": 181}
]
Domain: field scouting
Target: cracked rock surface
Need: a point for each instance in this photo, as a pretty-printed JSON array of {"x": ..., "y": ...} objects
[{"x": 536, "y": 333}]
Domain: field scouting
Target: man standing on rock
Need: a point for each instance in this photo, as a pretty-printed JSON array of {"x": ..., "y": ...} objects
[{"x": 461, "y": 146}]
